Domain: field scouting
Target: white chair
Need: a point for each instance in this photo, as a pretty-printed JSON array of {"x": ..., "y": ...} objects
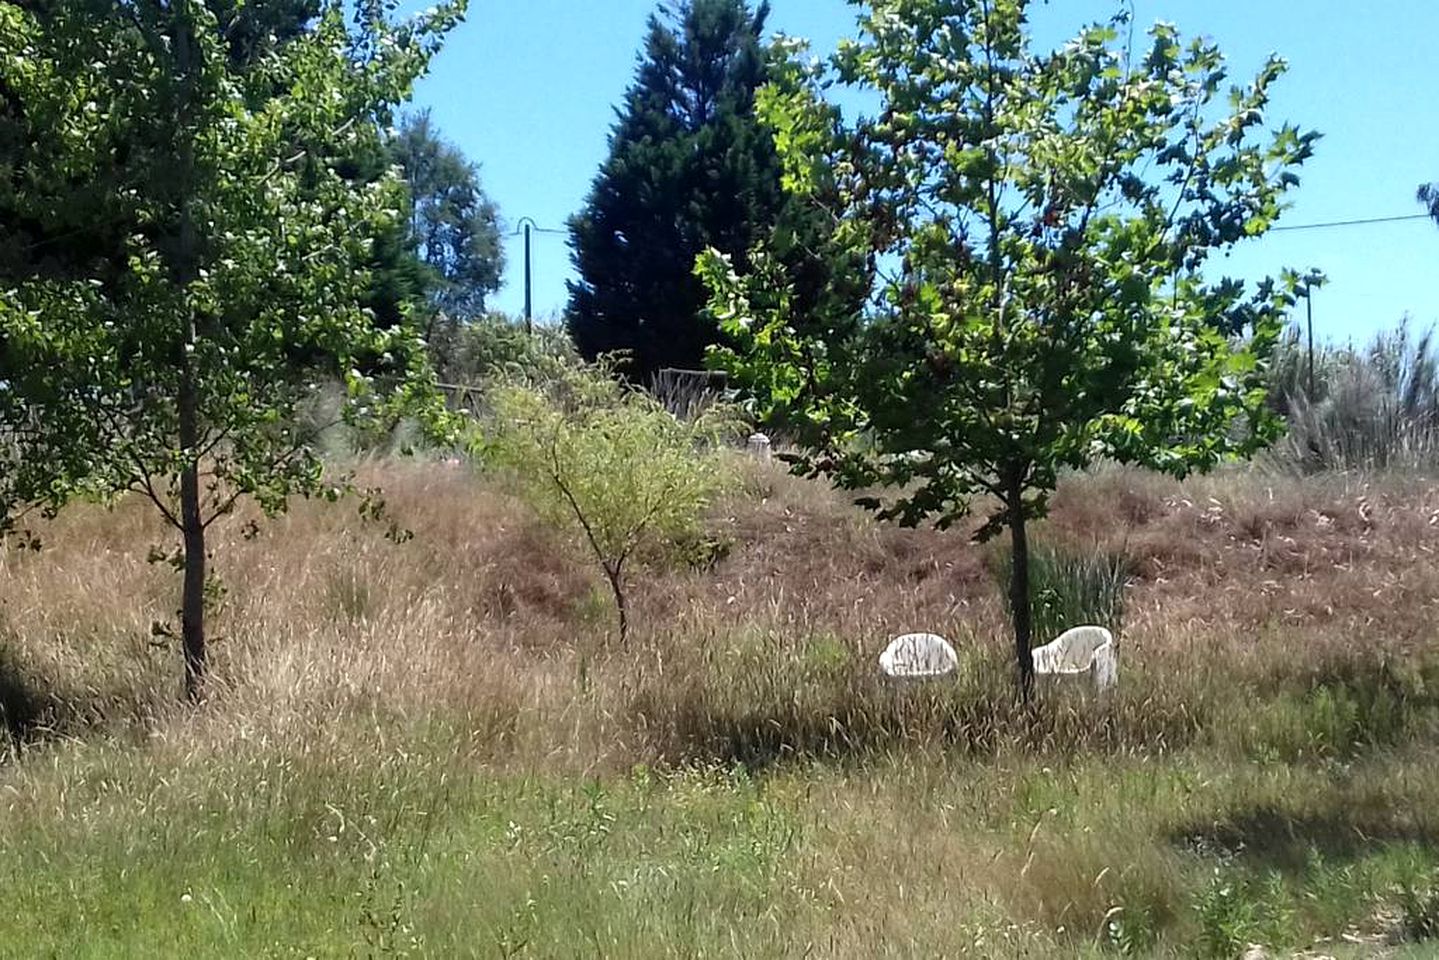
[
  {"x": 1080, "y": 650},
  {"x": 918, "y": 655}
]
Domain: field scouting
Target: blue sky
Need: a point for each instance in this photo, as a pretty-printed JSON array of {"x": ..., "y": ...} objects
[{"x": 527, "y": 88}]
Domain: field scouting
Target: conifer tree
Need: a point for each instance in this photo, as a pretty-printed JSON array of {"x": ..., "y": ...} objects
[{"x": 690, "y": 168}]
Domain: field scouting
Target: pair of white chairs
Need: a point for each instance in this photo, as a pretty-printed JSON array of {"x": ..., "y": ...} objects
[{"x": 1081, "y": 650}]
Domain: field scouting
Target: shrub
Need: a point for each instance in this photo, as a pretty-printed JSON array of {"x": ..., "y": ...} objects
[
  {"x": 1227, "y": 917},
  {"x": 610, "y": 466},
  {"x": 498, "y": 347},
  {"x": 479, "y": 355}
]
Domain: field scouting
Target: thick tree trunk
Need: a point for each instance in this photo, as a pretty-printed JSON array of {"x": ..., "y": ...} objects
[
  {"x": 1019, "y": 593},
  {"x": 192, "y": 602}
]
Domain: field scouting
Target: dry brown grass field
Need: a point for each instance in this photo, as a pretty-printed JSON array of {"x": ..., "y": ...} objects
[{"x": 436, "y": 748}]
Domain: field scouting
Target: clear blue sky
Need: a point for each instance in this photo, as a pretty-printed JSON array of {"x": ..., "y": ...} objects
[{"x": 527, "y": 88}]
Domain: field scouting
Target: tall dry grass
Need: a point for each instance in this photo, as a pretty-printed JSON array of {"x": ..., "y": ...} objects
[
  {"x": 1237, "y": 583},
  {"x": 442, "y": 741},
  {"x": 1369, "y": 407}
]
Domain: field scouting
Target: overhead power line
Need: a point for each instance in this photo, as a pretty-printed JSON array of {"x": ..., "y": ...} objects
[
  {"x": 1353, "y": 223},
  {"x": 526, "y": 226},
  {"x": 519, "y": 231}
]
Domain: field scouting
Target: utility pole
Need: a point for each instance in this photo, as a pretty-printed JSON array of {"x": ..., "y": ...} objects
[
  {"x": 1311, "y": 282},
  {"x": 1309, "y": 307},
  {"x": 528, "y": 225}
]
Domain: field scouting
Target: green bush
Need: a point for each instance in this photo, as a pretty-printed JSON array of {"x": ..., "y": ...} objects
[
  {"x": 479, "y": 355},
  {"x": 497, "y": 347},
  {"x": 624, "y": 478}
]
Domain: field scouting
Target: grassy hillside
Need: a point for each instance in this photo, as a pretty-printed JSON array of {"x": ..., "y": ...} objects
[{"x": 435, "y": 748}]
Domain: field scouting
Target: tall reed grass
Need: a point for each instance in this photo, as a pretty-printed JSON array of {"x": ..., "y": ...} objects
[
  {"x": 1069, "y": 587},
  {"x": 1374, "y": 407}
]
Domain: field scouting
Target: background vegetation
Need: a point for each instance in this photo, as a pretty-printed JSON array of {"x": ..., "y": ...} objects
[
  {"x": 420, "y": 736},
  {"x": 1372, "y": 407}
]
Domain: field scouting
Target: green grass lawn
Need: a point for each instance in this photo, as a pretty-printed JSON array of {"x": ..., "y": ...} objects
[{"x": 107, "y": 850}]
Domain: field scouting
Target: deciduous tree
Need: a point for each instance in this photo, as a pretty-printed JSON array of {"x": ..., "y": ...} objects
[
  {"x": 1046, "y": 222},
  {"x": 453, "y": 229},
  {"x": 243, "y": 282},
  {"x": 609, "y": 466}
]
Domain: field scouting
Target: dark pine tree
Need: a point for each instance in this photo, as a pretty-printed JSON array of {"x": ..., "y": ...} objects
[{"x": 690, "y": 167}]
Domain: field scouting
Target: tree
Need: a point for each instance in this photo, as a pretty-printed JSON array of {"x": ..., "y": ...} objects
[
  {"x": 690, "y": 167},
  {"x": 178, "y": 370},
  {"x": 99, "y": 220},
  {"x": 1046, "y": 219},
  {"x": 84, "y": 234},
  {"x": 453, "y": 230},
  {"x": 609, "y": 465}
]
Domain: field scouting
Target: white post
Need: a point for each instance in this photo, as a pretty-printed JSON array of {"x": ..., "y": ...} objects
[{"x": 759, "y": 447}]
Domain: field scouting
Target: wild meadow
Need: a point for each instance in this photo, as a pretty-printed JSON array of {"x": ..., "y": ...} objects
[
  {"x": 439, "y": 748},
  {"x": 343, "y": 615}
]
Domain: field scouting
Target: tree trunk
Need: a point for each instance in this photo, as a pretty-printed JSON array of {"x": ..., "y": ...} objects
[
  {"x": 186, "y": 269},
  {"x": 617, "y": 587},
  {"x": 192, "y": 523},
  {"x": 192, "y": 602},
  {"x": 1019, "y": 593}
]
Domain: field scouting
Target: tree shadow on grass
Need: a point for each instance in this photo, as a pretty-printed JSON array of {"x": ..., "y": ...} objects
[
  {"x": 22, "y": 706},
  {"x": 1268, "y": 837}
]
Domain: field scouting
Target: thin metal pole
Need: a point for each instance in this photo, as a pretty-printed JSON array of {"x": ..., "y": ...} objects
[
  {"x": 529, "y": 326},
  {"x": 1309, "y": 306}
]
